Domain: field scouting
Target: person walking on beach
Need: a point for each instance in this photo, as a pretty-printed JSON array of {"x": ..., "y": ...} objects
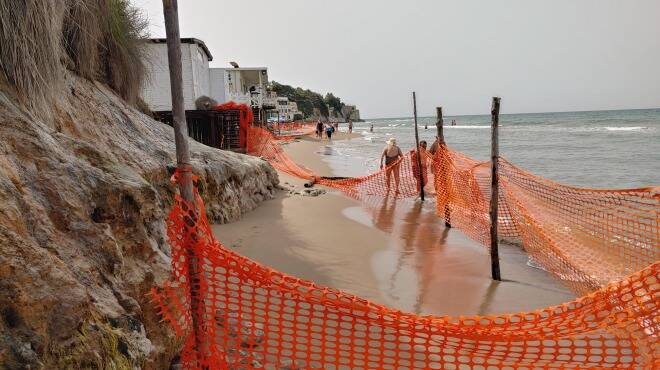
[
  {"x": 391, "y": 154},
  {"x": 329, "y": 130},
  {"x": 415, "y": 166},
  {"x": 371, "y": 129},
  {"x": 350, "y": 126},
  {"x": 319, "y": 129}
]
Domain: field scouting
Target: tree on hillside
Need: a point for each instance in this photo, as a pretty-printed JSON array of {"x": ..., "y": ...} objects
[
  {"x": 334, "y": 102},
  {"x": 307, "y": 100}
]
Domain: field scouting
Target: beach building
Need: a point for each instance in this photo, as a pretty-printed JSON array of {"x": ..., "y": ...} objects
[
  {"x": 240, "y": 85},
  {"x": 280, "y": 108},
  {"x": 195, "y": 58},
  {"x": 294, "y": 113},
  {"x": 202, "y": 87}
]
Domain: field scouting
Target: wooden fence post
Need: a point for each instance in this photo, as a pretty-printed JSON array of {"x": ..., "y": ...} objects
[
  {"x": 494, "y": 190},
  {"x": 439, "y": 125},
  {"x": 170, "y": 10},
  {"x": 419, "y": 154}
]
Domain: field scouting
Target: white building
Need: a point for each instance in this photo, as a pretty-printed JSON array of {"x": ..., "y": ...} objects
[
  {"x": 240, "y": 85},
  {"x": 195, "y": 58},
  {"x": 280, "y": 107},
  {"x": 293, "y": 110}
]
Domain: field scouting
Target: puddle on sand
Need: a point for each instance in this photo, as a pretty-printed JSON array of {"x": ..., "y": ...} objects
[
  {"x": 429, "y": 269},
  {"x": 358, "y": 214}
]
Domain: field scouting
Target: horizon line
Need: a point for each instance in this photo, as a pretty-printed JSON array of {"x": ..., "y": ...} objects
[{"x": 517, "y": 113}]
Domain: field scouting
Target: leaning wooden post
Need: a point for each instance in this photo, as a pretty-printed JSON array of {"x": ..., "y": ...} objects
[
  {"x": 419, "y": 154},
  {"x": 170, "y": 9},
  {"x": 494, "y": 190},
  {"x": 441, "y": 141}
]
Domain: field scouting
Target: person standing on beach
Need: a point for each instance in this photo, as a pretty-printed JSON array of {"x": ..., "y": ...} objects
[
  {"x": 371, "y": 129},
  {"x": 350, "y": 126},
  {"x": 329, "y": 130},
  {"x": 319, "y": 129},
  {"x": 415, "y": 166},
  {"x": 391, "y": 154}
]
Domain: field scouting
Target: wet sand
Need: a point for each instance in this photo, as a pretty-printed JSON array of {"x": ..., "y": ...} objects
[{"x": 397, "y": 253}]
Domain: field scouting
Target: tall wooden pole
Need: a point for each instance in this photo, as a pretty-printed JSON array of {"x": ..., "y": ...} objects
[
  {"x": 494, "y": 190},
  {"x": 170, "y": 10},
  {"x": 439, "y": 125},
  {"x": 419, "y": 153}
]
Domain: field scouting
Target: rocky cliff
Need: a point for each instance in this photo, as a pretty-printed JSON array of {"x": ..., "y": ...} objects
[{"x": 83, "y": 199}]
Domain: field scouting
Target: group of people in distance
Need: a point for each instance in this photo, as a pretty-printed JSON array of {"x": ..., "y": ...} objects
[
  {"x": 392, "y": 155},
  {"x": 329, "y": 128}
]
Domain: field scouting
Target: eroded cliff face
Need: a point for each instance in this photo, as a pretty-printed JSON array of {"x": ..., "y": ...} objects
[{"x": 83, "y": 200}]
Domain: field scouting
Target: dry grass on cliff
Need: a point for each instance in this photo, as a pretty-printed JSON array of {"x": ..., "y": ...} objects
[{"x": 98, "y": 39}]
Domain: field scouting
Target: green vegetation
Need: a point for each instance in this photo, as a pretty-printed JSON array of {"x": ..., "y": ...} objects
[
  {"x": 97, "y": 39},
  {"x": 307, "y": 100},
  {"x": 334, "y": 102},
  {"x": 97, "y": 345}
]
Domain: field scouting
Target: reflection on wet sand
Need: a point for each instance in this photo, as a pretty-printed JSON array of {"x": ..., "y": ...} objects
[{"x": 427, "y": 268}]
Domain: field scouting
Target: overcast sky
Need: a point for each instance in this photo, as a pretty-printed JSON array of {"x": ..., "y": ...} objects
[{"x": 538, "y": 55}]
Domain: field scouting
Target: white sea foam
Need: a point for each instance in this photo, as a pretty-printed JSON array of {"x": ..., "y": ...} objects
[
  {"x": 466, "y": 126},
  {"x": 626, "y": 128}
]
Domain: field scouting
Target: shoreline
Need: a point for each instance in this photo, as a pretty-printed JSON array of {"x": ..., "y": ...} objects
[{"x": 395, "y": 253}]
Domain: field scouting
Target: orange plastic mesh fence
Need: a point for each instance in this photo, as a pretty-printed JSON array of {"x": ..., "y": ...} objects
[
  {"x": 400, "y": 179},
  {"x": 252, "y": 317},
  {"x": 585, "y": 237}
]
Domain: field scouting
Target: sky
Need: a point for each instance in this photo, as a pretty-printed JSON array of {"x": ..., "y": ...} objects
[{"x": 538, "y": 56}]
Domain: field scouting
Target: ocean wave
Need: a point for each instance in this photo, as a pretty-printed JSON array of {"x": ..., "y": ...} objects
[
  {"x": 626, "y": 128},
  {"x": 466, "y": 126}
]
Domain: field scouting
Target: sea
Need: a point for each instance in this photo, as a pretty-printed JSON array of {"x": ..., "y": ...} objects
[{"x": 598, "y": 149}]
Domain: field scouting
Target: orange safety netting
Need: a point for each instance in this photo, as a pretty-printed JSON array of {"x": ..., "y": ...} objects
[
  {"x": 585, "y": 237},
  {"x": 245, "y": 119},
  {"x": 399, "y": 180},
  {"x": 252, "y": 317},
  {"x": 602, "y": 243}
]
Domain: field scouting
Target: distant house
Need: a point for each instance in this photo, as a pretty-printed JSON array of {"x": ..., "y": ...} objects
[
  {"x": 195, "y": 58},
  {"x": 293, "y": 111},
  {"x": 280, "y": 106}
]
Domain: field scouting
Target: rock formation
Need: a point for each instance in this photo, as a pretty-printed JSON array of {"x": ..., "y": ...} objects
[{"x": 84, "y": 196}]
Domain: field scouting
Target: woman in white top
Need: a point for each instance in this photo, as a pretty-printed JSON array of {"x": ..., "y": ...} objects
[{"x": 391, "y": 154}]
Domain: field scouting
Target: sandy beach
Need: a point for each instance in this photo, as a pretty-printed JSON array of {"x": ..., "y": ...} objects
[{"x": 396, "y": 253}]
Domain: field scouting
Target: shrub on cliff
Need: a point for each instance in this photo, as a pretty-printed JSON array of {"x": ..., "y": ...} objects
[{"x": 97, "y": 39}]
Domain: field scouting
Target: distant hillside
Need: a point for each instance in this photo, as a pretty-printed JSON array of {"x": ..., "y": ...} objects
[{"x": 314, "y": 105}]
